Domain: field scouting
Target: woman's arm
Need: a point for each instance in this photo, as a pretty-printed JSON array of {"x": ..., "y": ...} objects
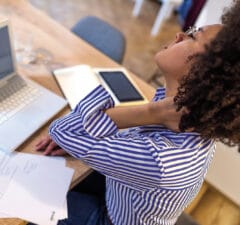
[
  {"x": 86, "y": 116},
  {"x": 162, "y": 112}
]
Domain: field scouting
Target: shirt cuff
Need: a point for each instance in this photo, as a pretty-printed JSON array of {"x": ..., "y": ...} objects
[{"x": 91, "y": 109}]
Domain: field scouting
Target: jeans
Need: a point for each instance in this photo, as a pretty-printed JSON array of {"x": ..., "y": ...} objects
[{"x": 84, "y": 209}]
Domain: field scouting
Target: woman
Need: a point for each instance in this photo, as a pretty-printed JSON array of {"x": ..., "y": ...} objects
[{"x": 152, "y": 170}]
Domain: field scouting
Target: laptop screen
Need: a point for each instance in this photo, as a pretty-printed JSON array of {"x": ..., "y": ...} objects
[{"x": 6, "y": 62}]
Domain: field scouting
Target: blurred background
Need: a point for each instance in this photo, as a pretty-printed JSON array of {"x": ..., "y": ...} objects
[{"x": 141, "y": 46}]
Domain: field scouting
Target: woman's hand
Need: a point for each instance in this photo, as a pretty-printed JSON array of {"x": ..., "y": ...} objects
[
  {"x": 49, "y": 147},
  {"x": 164, "y": 113}
]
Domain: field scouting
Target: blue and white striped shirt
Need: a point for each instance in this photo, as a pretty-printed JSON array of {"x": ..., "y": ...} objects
[{"x": 152, "y": 173}]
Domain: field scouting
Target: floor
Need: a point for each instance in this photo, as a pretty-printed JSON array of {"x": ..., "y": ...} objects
[{"x": 214, "y": 208}]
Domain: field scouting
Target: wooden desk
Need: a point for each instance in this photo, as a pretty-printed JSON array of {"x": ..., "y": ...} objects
[{"x": 65, "y": 49}]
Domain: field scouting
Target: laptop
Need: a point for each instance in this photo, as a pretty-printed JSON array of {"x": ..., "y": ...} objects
[{"x": 24, "y": 105}]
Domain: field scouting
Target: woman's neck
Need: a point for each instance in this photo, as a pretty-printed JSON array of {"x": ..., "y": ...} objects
[{"x": 171, "y": 87}]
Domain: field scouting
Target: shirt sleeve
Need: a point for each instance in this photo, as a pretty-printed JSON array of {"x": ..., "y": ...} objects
[
  {"x": 159, "y": 94},
  {"x": 87, "y": 133}
]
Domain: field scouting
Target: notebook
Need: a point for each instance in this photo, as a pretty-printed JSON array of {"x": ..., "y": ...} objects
[
  {"x": 24, "y": 105},
  {"x": 77, "y": 81}
]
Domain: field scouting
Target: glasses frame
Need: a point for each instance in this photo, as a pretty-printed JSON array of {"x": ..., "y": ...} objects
[{"x": 191, "y": 30}]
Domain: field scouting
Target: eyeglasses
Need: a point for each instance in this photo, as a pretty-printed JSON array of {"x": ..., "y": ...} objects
[{"x": 191, "y": 31}]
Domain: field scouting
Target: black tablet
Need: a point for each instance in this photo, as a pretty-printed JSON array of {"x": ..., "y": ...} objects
[{"x": 121, "y": 86}]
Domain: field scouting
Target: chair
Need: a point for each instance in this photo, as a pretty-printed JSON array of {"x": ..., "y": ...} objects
[
  {"x": 185, "y": 219},
  {"x": 102, "y": 36}
]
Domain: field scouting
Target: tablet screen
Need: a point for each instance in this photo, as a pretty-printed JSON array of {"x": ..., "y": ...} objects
[{"x": 121, "y": 86}]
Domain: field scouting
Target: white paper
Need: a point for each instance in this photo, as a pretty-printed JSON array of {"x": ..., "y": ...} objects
[
  {"x": 34, "y": 187},
  {"x": 4, "y": 215},
  {"x": 10, "y": 163},
  {"x": 7, "y": 171},
  {"x": 60, "y": 214},
  {"x": 23, "y": 157},
  {"x": 63, "y": 212}
]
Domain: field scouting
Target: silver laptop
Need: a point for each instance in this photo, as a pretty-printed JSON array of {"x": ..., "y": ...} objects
[{"x": 24, "y": 105}]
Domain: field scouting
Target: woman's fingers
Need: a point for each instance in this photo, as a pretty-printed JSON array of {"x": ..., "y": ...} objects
[
  {"x": 43, "y": 143},
  {"x": 50, "y": 148},
  {"x": 58, "y": 152}
]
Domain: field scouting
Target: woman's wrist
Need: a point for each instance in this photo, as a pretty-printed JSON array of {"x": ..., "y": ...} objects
[
  {"x": 164, "y": 113},
  {"x": 157, "y": 112},
  {"x": 131, "y": 116}
]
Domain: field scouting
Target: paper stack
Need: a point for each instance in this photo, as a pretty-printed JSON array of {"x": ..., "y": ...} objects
[{"x": 34, "y": 187}]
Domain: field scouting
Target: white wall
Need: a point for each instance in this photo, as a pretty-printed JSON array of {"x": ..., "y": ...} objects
[
  {"x": 212, "y": 11},
  {"x": 224, "y": 173}
]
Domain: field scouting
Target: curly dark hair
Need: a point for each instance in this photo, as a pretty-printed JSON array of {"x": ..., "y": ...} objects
[{"x": 211, "y": 90}]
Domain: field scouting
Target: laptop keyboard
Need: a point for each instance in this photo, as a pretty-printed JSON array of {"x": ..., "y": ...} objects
[{"x": 13, "y": 97}]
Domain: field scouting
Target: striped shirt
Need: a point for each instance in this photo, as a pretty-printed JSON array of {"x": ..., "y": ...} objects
[{"x": 152, "y": 173}]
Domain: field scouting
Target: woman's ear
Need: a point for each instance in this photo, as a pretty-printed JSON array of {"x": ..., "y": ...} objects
[{"x": 180, "y": 36}]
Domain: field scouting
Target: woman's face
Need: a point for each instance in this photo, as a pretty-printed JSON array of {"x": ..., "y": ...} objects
[{"x": 173, "y": 59}]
